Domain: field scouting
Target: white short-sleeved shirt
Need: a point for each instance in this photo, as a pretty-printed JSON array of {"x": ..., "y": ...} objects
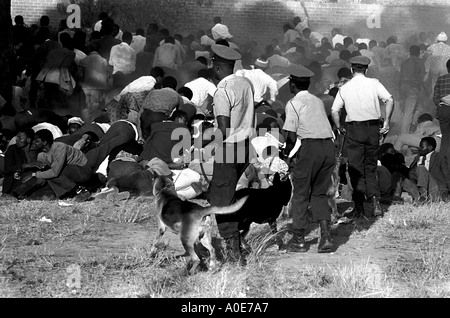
[
  {"x": 143, "y": 83},
  {"x": 201, "y": 88},
  {"x": 306, "y": 116},
  {"x": 262, "y": 83},
  {"x": 234, "y": 99},
  {"x": 123, "y": 58},
  {"x": 138, "y": 43},
  {"x": 361, "y": 97}
]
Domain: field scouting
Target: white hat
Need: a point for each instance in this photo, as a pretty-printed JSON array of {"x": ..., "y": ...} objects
[
  {"x": 75, "y": 120},
  {"x": 442, "y": 37},
  {"x": 261, "y": 63}
]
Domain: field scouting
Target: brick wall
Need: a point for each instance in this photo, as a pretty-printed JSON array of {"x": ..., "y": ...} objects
[
  {"x": 262, "y": 20},
  {"x": 32, "y": 10}
]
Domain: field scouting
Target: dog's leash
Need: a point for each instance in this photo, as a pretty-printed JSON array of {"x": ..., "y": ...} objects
[{"x": 202, "y": 168}]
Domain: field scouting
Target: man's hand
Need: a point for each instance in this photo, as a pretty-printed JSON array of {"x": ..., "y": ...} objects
[
  {"x": 341, "y": 131},
  {"x": 385, "y": 129},
  {"x": 25, "y": 177}
]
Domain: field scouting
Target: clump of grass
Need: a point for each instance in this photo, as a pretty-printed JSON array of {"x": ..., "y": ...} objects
[
  {"x": 133, "y": 211},
  {"x": 425, "y": 275},
  {"x": 359, "y": 279}
]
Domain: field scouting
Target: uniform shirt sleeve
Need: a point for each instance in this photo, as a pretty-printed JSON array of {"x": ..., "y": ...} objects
[
  {"x": 212, "y": 89},
  {"x": 58, "y": 160},
  {"x": 338, "y": 103},
  {"x": 222, "y": 102},
  {"x": 292, "y": 118},
  {"x": 382, "y": 92},
  {"x": 273, "y": 87}
]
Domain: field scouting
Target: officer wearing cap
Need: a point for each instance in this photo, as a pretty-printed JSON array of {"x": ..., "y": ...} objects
[
  {"x": 360, "y": 96},
  {"x": 234, "y": 122},
  {"x": 306, "y": 119}
]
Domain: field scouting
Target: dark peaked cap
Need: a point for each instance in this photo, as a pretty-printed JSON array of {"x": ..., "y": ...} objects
[
  {"x": 360, "y": 60},
  {"x": 298, "y": 71},
  {"x": 224, "y": 54}
]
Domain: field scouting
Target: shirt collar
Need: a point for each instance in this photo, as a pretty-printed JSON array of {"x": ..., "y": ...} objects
[{"x": 302, "y": 93}]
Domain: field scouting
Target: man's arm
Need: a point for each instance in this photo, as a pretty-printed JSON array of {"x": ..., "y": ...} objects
[
  {"x": 59, "y": 160},
  {"x": 223, "y": 125},
  {"x": 389, "y": 110},
  {"x": 273, "y": 89},
  {"x": 291, "y": 139},
  {"x": 336, "y": 109}
]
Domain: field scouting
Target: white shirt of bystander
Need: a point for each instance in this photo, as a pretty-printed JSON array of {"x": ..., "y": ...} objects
[{"x": 122, "y": 58}]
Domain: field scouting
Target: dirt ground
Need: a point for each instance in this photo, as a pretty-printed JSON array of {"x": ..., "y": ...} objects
[{"x": 89, "y": 233}]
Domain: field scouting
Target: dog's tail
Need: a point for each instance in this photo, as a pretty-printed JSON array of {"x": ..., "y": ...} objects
[{"x": 226, "y": 209}]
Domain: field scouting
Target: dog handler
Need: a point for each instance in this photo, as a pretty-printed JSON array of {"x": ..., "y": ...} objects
[
  {"x": 306, "y": 119},
  {"x": 361, "y": 97},
  {"x": 234, "y": 122}
]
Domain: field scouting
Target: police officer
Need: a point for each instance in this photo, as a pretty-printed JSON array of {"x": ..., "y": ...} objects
[
  {"x": 360, "y": 97},
  {"x": 234, "y": 122},
  {"x": 306, "y": 119}
]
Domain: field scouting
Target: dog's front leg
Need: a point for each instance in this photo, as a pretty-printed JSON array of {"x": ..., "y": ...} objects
[{"x": 161, "y": 230}]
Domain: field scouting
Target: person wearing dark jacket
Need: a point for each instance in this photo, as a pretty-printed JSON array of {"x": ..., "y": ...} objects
[
  {"x": 18, "y": 157},
  {"x": 430, "y": 171}
]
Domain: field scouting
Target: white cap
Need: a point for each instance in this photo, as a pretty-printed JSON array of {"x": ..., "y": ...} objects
[{"x": 442, "y": 37}]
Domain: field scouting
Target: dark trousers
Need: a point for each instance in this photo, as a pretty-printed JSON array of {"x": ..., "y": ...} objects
[
  {"x": 400, "y": 183},
  {"x": 71, "y": 176},
  {"x": 118, "y": 134},
  {"x": 362, "y": 144},
  {"x": 231, "y": 160},
  {"x": 127, "y": 176},
  {"x": 311, "y": 179},
  {"x": 73, "y": 138},
  {"x": 443, "y": 114},
  {"x": 423, "y": 178}
]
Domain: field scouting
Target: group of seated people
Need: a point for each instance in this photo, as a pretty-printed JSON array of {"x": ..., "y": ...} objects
[
  {"x": 113, "y": 158},
  {"x": 426, "y": 179}
]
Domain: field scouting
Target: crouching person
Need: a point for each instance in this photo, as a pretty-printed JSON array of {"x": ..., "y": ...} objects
[{"x": 63, "y": 167}]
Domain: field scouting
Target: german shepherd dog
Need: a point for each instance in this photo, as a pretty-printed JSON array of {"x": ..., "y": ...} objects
[
  {"x": 264, "y": 205},
  {"x": 188, "y": 219}
]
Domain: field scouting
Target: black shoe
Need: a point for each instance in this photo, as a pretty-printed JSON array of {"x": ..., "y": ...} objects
[
  {"x": 325, "y": 244},
  {"x": 297, "y": 243},
  {"x": 82, "y": 195},
  {"x": 233, "y": 245}
]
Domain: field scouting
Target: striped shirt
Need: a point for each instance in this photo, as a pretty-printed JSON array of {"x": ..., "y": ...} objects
[{"x": 441, "y": 89}]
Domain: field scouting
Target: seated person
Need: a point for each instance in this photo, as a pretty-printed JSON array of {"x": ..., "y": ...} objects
[
  {"x": 430, "y": 171},
  {"x": 61, "y": 166},
  {"x": 394, "y": 162},
  {"x": 426, "y": 127},
  {"x": 18, "y": 158},
  {"x": 160, "y": 143},
  {"x": 74, "y": 124}
]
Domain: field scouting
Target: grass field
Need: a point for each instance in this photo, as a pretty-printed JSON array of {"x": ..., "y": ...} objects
[{"x": 102, "y": 249}]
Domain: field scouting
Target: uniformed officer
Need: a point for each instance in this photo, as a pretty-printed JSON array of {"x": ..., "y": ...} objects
[
  {"x": 235, "y": 121},
  {"x": 360, "y": 97},
  {"x": 306, "y": 119}
]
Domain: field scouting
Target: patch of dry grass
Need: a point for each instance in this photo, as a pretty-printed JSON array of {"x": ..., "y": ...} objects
[{"x": 128, "y": 269}]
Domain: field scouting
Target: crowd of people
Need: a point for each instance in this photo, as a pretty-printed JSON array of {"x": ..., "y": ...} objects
[{"x": 95, "y": 115}]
